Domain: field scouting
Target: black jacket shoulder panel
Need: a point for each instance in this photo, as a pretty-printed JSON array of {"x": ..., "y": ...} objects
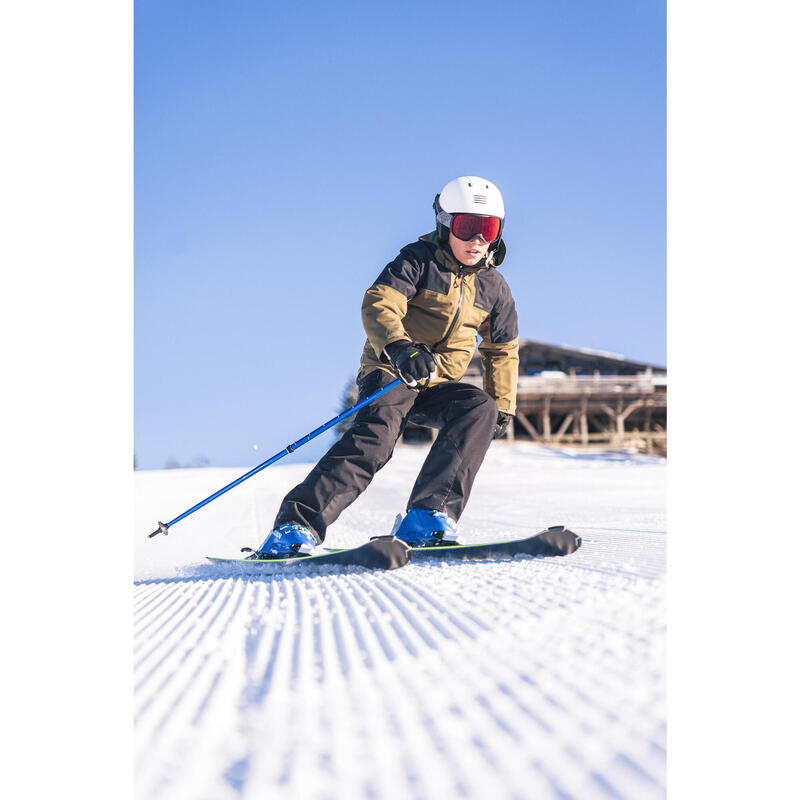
[
  {"x": 403, "y": 273},
  {"x": 487, "y": 288},
  {"x": 415, "y": 269},
  {"x": 493, "y": 294},
  {"x": 421, "y": 250}
]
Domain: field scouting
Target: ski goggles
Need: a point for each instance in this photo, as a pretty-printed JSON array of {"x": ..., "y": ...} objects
[{"x": 467, "y": 226}]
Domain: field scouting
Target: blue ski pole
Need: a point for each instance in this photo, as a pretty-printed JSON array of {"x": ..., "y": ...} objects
[{"x": 163, "y": 527}]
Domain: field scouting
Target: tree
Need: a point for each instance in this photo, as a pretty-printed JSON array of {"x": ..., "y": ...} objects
[{"x": 347, "y": 399}]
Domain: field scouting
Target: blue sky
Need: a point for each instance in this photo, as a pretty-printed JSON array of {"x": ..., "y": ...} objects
[{"x": 284, "y": 153}]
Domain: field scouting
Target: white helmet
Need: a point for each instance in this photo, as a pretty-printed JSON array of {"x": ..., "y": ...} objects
[{"x": 467, "y": 195}]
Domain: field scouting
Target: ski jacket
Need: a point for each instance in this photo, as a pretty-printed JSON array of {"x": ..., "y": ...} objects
[{"x": 426, "y": 296}]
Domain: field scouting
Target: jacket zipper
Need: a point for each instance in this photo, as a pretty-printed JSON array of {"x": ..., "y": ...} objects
[{"x": 460, "y": 284}]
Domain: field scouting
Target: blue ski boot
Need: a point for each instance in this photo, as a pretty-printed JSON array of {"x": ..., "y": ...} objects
[
  {"x": 289, "y": 540},
  {"x": 422, "y": 527}
]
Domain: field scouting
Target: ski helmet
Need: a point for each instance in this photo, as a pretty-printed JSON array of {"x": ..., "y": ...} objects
[{"x": 467, "y": 195}]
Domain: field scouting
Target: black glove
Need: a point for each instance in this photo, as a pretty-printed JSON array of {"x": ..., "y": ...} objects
[
  {"x": 501, "y": 426},
  {"x": 412, "y": 361}
]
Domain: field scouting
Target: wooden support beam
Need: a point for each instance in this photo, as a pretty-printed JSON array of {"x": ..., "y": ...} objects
[
  {"x": 509, "y": 435},
  {"x": 576, "y": 426},
  {"x": 564, "y": 425},
  {"x": 619, "y": 436},
  {"x": 584, "y": 422},
  {"x": 600, "y": 424},
  {"x": 534, "y": 434},
  {"x": 613, "y": 423},
  {"x": 546, "y": 433},
  {"x": 631, "y": 408}
]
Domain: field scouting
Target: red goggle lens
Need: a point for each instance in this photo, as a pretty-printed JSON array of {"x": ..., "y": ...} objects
[{"x": 468, "y": 226}]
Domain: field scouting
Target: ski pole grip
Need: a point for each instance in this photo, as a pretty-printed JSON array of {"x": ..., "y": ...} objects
[{"x": 162, "y": 528}]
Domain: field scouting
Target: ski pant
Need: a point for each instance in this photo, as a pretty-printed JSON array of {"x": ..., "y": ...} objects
[{"x": 465, "y": 417}]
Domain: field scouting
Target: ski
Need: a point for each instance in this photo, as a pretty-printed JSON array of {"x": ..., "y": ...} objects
[
  {"x": 555, "y": 541},
  {"x": 386, "y": 552}
]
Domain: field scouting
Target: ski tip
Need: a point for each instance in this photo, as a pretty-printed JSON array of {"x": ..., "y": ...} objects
[{"x": 576, "y": 540}]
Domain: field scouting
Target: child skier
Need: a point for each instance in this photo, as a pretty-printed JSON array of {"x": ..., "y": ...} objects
[{"x": 422, "y": 316}]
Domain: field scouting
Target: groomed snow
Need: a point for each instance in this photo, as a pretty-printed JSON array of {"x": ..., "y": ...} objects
[{"x": 531, "y": 678}]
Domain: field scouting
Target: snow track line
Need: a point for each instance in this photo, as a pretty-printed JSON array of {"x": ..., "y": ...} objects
[
  {"x": 420, "y": 658},
  {"x": 622, "y": 530},
  {"x": 373, "y": 616},
  {"x": 439, "y": 608},
  {"x": 165, "y": 607},
  {"x": 162, "y": 633},
  {"x": 175, "y": 669},
  {"x": 344, "y": 597},
  {"x": 522, "y": 678}
]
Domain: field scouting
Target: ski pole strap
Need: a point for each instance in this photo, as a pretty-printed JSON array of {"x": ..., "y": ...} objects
[{"x": 422, "y": 346}]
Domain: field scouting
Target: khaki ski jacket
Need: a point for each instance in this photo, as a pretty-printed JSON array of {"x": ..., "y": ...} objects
[{"x": 426, "y": 296}]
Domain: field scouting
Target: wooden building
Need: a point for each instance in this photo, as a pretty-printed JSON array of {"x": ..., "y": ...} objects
[{"x": 583, "y": 398}]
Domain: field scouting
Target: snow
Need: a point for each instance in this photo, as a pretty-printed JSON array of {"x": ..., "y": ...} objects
[
  {"x": 524, "y": 678},
  {"x": 595, "y": 352}
]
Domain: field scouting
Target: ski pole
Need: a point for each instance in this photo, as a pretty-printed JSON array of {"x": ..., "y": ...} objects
[{"x": 163, "y": 527}]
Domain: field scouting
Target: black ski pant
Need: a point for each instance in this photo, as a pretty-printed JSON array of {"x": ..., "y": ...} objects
[{"x": 465, "y": 417}]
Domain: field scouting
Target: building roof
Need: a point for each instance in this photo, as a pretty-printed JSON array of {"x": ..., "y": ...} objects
[
  {"x": 584, "y": 354},
  {"x": 537, "y": 356}
]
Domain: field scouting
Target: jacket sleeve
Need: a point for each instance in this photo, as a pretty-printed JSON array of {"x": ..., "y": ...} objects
[
  {"x": 386, "y": 301},
  {"x": 499, "y": 349}
]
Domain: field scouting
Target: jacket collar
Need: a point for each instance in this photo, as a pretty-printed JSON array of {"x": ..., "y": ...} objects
[{"x": 445, "y": 257}]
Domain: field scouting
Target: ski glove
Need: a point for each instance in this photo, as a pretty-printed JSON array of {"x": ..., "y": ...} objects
[
  {"x": 501, "y": 426},
  {"x": 413, "y": 362}
]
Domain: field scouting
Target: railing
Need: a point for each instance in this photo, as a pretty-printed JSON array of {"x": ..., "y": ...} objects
[{"x": 642, "y": 383}]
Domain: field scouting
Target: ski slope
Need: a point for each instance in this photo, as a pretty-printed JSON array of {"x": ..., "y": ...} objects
[{"x": 530, "y": 678}]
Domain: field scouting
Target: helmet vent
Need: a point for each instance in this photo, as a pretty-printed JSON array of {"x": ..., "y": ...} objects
[{"x": 480, "y": 198}]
